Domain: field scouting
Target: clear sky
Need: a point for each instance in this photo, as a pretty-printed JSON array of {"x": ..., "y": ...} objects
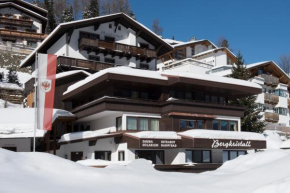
[{"x": 260, "y": 29}]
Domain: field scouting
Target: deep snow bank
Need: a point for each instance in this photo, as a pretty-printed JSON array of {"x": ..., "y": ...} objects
[{"x": 266, "y": 172}]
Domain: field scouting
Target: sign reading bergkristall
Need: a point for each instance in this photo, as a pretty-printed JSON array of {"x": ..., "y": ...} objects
[
  {"x": 230, "y": 144},
  {"x": 159, "y": 143}
]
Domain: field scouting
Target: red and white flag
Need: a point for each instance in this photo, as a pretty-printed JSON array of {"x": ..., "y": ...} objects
[{"x": 45, "y": 90}]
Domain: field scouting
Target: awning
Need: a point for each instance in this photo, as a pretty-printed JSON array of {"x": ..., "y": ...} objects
[{"x": 191, "y": 115}]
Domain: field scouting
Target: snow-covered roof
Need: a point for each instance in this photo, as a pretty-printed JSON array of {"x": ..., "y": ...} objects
[
  {"x": 82, "y": 135},
  {"x": 213, "y": 50},
  {"x": 191, "y": 42},
  {"x": 68, "y": 24},
  {"x": 212, "y": 134},
  {"x": 253, "y": 65},
  {"x": 68, "y": 73},
  {"x": 10, "y": 86},
  {"x": 19, "y": 123},
  {"x": 117, "y": 70},
  {"x": 155, "y": 134},
  {"x": 171, "y": 41},
  {"x": 212, "y": 78},
  {"x": 25, "y": 9},
  {"x": 285, "y": 145}
]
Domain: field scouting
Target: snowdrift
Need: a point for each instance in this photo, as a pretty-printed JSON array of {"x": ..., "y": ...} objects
[{"x": 264, "y": 172}]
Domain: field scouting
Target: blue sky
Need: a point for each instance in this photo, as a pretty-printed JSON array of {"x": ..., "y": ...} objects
[{"x": 260, "y": 29}]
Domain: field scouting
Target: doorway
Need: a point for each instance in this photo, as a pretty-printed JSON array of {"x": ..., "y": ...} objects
[
  {"x": 76, "y": 156},
  {"x": 156, "y": 156}
]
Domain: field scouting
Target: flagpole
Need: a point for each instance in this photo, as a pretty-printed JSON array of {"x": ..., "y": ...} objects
[{"x": 35, "y": 100}]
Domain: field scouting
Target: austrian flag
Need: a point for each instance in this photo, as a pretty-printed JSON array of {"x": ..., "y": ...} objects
[{"x": 45, "y": 90}]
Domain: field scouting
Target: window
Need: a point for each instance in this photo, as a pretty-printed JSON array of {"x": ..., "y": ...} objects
[
  {"x": 110, "y": 60},
  {"x": 224, "y": 125},
  {"x": 142, "y": 124},
  {"x": 261, "y": 107},
  {"x": 222, "y": 100},
  {"x": 282, "y": 111},
  {"x": 32, "y": 44},
  {"x": 215, "y": 124},
  {"x": 142, "y": 45},
  {"x": 200, "y": 124},
  {"x": 207, "y": 98},
  {"x": 180, "y": 95},
  {"x": 103, "y": 155},
  {"x": 109, "y": 39},
  {"x": 192, "y": 51},
  {"x": 154, "y": 124},
  {"x": 121, "y": 156},
  {"x": 172, "y": 93},
  {"x": 94, "y": 58},
  {"x": 119, "y": 28},
  {"x": 144, "y": 95},
  {"x": 134, "y": 94},
  {"x": 281, "y": 93},
  {"x": 188, "y": 95},
  {"x": 144, "y": 66},
  {"x": 214, "y": 99},
  {"x": 198, "y": 156},
  {"x": 119, "y": 123},
  {"x": 233, "y": 126},
  {"x": 131, "y": 123},
  {"x": 180, "y": 54},
  {"x": 230, "y": 155},
  {"x": 186, "y": 124},
  {"x": 110, "y": 25}
]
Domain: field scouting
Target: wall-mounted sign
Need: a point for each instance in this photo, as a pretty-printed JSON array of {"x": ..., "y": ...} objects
[
  {"x": 159, "y": 143},
  {"x": 112, "y": 35},
  {"x": 230, "y": 144}
]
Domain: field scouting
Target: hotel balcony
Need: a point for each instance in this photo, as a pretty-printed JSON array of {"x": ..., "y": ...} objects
[
  {"x": 271, "y": 99},
  {"x": 115, "y": 48},
  {"x": 271, "y": 117},
  {"x": 270, "y": 80},
  {"x": 17, "y": 22},
  {"x": 22, "y": 34},
  {"x": 73, "y": 63}
]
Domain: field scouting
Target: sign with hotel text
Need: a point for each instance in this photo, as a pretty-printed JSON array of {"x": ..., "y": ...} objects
[
  {"x": 160, "y": 143},
  {"x": 230, "y": 144}
]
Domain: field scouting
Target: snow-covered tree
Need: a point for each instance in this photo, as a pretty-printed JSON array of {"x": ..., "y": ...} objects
[
  {"x": 51, "y": 24},
  {"x": 252, "y": 118},
  {"x": 67, "y": 15},
  {"x": 12, "y": 77},
  {"x": 92, "y": 10}
]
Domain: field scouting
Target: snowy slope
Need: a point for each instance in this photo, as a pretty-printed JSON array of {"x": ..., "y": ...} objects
[{"x": 266, "y": 172}]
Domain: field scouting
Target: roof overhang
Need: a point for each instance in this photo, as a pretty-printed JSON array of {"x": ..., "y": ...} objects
[{"x": 27, "y": 5}]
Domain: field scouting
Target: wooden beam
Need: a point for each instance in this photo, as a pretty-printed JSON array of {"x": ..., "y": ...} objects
[
  {"x": 96, "y": 26},
  {"x": 54, "y": 139},
  {"x": 138, "y": 33},
  {"x": 48, "y": 141},
  {"x": 158, "y": 49}
]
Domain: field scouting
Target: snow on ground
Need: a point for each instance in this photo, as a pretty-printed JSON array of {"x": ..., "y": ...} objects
[
  {"x": 263, "y": 172},
  {"x": 285, "y": 144},
  {"x": 93, "y": 162},
  {"x": 273, "y": 139},
  {"x": 22, "y": 76},
  {"x": 9, "y": 105}
]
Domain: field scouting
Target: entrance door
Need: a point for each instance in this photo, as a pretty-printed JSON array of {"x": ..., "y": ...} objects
[
  {"x": 157, "y": 157},
  {"x": 11, "y": 148},
  {"x": 76, "y": 156}
]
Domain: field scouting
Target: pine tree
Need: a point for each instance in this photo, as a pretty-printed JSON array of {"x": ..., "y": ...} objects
[
  {"x": 93, "y": 10},
  {"x": 252, "y": 118},
  {"x": 12, "y": 77},
  {"x": 67, "y": 15},
  {"x": 51, "y": 24}
]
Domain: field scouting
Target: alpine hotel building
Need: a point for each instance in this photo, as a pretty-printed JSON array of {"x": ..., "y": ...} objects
[{"x": 125, "y": 108}]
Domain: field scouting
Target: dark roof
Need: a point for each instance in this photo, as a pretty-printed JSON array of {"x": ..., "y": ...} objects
[
  {"x": 27, "y": 5},
  {"x": 121, "y": 18}
]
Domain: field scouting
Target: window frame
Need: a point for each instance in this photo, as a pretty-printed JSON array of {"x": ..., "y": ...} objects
[
  {"x": 109, "y": 155},
  {"x": 119, "y": 118},
  {"x": 119, "y": 157},
  {"x": 202, "y": 155},
  {"x": 138, "y": 119}
]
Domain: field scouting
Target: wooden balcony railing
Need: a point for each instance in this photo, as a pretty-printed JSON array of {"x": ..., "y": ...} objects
[
  {"x": 88, "y": 44},
  {"x": 271, "y": 98},
  {"x": 270, "y": 80},
  {"x": 20, "y": 34},
  {"x": 18, "y": 22},
  {"x": 86, "y": 64},
  {"x": 271, "y": 117}
]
